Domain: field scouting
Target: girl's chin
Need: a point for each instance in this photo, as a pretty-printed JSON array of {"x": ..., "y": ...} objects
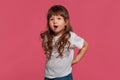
[{"x": 58, "y": 32}]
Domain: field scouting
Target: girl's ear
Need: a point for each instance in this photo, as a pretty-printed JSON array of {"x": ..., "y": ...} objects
[{"x": 66, "y": 22}]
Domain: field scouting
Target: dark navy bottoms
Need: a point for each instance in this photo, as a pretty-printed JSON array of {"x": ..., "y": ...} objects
[{"x": 68, "y": 77}]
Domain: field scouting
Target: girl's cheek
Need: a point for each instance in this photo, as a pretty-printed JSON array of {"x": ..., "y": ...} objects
[{"x": 50, "y": 24}]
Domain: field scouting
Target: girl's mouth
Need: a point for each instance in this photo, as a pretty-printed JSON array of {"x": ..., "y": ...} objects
[{"x": 55, "y": 26}]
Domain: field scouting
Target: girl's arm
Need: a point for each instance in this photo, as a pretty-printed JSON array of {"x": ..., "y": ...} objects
[{"x": 81, "y": 53}]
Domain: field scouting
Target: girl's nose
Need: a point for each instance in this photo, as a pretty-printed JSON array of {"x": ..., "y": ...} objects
[{"x": 55, "y": 21}]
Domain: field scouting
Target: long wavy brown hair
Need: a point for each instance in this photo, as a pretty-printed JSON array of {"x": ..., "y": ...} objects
[{"x": 48, "y": 35}]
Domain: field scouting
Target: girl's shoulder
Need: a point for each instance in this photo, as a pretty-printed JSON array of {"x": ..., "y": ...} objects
[{"x": 72, "y": 33}]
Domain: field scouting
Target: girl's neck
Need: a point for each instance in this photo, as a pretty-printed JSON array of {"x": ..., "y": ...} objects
[{"x": 59, "y": 33}]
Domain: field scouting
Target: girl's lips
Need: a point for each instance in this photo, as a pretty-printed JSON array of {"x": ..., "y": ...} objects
[{"x": 55, "y": 26}]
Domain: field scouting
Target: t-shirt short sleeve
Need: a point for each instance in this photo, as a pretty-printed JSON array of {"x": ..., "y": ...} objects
[{"x": 77, "y": 41}]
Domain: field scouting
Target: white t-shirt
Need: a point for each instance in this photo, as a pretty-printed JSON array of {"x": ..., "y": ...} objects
[{"x": 61, "y": 66}]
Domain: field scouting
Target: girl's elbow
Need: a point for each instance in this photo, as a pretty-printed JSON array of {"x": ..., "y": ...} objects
[{"x": 85, "y": 45}]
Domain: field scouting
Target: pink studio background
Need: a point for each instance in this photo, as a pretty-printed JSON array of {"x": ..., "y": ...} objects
[{"x": 21, "y": 21}]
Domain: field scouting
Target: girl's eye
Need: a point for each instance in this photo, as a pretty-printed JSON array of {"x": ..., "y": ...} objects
[
  {"x": 59, "y": 18},
  {"x": 51, "y": 19}
]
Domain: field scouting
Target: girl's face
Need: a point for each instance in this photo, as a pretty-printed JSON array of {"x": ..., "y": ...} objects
[{"x": 57, "y": 24}]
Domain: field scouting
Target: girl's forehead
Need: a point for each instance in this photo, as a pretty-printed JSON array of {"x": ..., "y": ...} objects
[{"x": 56, "y": 16}]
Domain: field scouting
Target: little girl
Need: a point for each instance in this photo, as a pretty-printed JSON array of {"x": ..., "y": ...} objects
[{"x": 58, "y": 43}]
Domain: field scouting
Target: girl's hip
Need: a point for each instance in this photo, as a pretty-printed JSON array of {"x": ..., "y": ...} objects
[{"x": 68, "y": 77}]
